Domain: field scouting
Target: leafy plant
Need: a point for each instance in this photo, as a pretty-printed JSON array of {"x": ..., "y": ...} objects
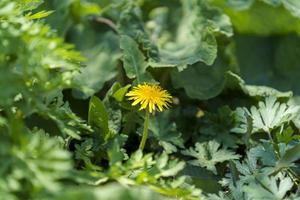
[
  {"x": 81, "y": 86},
  {"x": 208, "y": 155}
]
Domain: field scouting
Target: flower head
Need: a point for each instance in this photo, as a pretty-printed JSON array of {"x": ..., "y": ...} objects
[{"x": 150, "y": 97}]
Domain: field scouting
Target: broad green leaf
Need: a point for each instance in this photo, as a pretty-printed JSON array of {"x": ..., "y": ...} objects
[
  {"x": 130, "y": 24},
  {"x": 98, "y": 117},
  {"x": 102, "y": 52},
  {"x": 133, "y": 59},
  {"x": 200, "y": 81},
  {"x": 247, "y": 19},
  {"x": 278, "y": 69},
  {"x": 234, "y": 82},
  {"x": 120, "y": 93},
  {"x": 194, "y": 40},
  {"x": 100, "y": 69}
]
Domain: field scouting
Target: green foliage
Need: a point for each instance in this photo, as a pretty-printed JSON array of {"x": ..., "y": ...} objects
[
  {"x": 110, "y": 192},
  {"x": 98, "y": 117},
  {"x": 271, "y": 114},
  {"x": 133, "y": 59},
  {"x": 245, "y": 15},
  {"x": 195, "y": 40},
  {"x": 166, "y": 133},
  {"x": 68, "y": 131},
  {"x": 209, "y": 154}
]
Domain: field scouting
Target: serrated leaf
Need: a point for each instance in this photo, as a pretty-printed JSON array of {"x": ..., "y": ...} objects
[
  {"x": 166, "y": 133},
  {"x": 209, "y": 154},
  {"x": 217, "y": 126},
  {"x": 115, "y": 152},
  {"x": 290, "y": 156},
  {"x": 269, "y": 188},
  {"x": 271, "y": 114}
]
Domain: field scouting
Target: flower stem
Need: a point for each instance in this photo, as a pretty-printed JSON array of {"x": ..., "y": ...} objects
[{"x": 145, "y": 131}]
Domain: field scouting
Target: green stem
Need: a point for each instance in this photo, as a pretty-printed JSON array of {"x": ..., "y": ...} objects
[{"x": 145, "y": 131}]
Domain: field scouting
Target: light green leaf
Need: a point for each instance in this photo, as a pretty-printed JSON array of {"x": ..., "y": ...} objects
[
  {"x": 39, "y": 15},
  {"x": 269, "y": 188},
  {"x": 120, "y": 93},
  {"x": 293, "y": 6},
  {"x": 83, "y": 8},
  {"x": 7, "y": 9},
  {"x": 271, "y": 114},
  {"x": 209, "y": 154},
  {"x": 112, "y": 191}
]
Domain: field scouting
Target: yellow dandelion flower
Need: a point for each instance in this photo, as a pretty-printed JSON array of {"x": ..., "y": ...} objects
[{"x": 150, "y": 97}]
